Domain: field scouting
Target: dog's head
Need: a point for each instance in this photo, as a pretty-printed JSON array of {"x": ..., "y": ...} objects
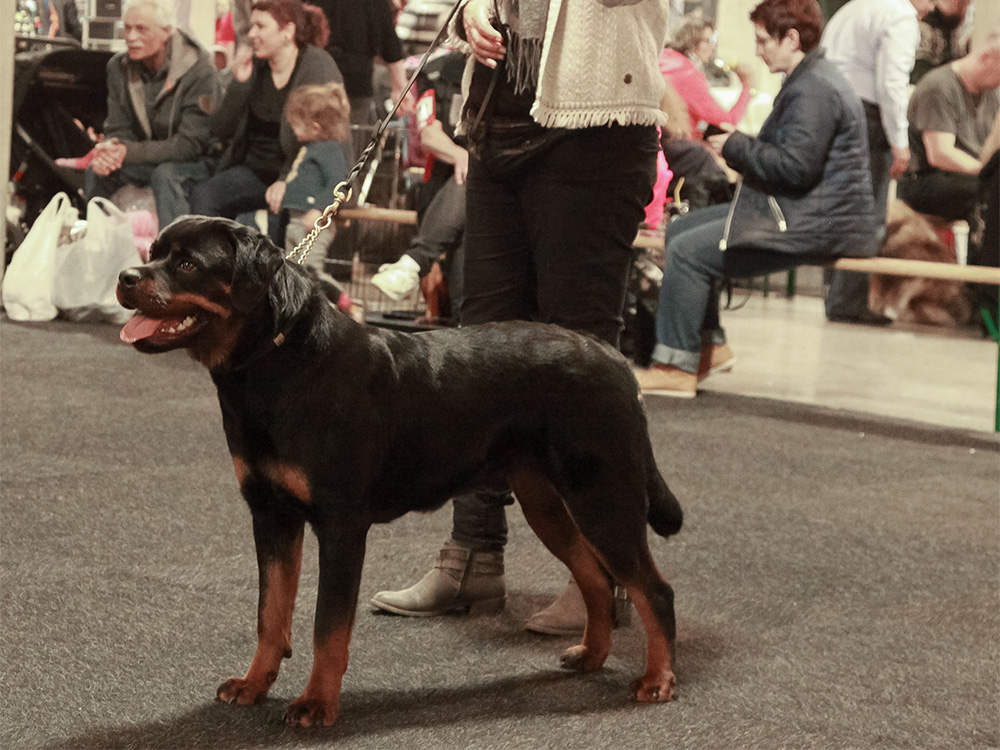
[{"x": 204, "y": 277}]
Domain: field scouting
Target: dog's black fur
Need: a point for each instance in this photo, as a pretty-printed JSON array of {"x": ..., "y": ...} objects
[{"x": 341, "y": 425}]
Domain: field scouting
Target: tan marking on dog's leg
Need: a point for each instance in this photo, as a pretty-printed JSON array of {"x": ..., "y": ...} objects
[
  {"x": 242, "y": 470},
  {"x": 657, "y": 685},
  {"x": 319, "y": 703},
  {"x": 548, "y": 517},
  {"x": 291, "y": 479},
  {"x": 274, "y": 631}
]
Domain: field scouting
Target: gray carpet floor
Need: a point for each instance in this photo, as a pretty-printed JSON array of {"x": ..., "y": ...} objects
[{"x": 837, "y": 583}]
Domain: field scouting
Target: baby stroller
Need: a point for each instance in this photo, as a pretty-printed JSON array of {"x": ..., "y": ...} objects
[{"x": 55, "y": 88}]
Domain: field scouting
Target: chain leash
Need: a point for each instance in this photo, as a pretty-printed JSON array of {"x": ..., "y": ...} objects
[{"x": 342, "y": 193}]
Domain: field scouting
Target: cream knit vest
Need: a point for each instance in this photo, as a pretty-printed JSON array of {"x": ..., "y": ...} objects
[{"x": 599, "y": 64}]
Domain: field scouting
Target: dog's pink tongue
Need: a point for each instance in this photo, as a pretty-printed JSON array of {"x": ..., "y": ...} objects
[{"x": 139, "y": 327}]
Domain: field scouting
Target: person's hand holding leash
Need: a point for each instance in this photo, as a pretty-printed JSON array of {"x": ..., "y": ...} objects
[{"x": 486, "y": 42}]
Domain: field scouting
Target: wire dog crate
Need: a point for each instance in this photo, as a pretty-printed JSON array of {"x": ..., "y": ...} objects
[{"x": 356, "y": 278}]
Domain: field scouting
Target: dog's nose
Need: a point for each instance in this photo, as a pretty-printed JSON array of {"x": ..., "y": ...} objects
[{"x": 129, "y": 277}]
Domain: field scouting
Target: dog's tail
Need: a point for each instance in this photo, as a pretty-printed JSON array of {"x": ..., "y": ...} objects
[{"x": 665, "y": 514}]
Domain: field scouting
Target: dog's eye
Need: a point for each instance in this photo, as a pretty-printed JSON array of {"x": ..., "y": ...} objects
[{"x": 186, "y": 266}]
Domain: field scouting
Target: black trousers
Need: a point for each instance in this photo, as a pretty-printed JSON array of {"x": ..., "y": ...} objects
[
  {"x": 847, "y": 291},
  {"x": 551, "y": 241},
  {"x": 949, "y": 195}
]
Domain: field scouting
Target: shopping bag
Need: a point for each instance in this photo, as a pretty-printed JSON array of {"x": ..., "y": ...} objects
[
  {"x": 87, "y": 269},
  {"x": 27, "y": 281}
]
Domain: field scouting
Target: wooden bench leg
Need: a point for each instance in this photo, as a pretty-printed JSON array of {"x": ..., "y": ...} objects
[{"x": 993, "y": 327}]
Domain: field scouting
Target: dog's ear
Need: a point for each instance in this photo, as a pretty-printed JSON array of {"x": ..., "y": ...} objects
[{"x": 254, "y": 268}]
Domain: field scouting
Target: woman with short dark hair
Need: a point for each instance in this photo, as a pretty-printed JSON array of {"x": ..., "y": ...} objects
[{"x": 804, "y": 196}]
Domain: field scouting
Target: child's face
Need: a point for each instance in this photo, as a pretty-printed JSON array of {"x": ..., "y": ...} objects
[{"x": 304, "y": 130}]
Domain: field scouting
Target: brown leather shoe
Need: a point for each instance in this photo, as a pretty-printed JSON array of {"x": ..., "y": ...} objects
[
  {"x": 463, "y": 579},
  {"x": 667, "y": 380},
  {"x": 715, "y": 358}
]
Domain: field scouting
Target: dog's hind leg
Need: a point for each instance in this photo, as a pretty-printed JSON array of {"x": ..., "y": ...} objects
[
  {"x": 279, "y": 558},
  {"x": 341, "y": 556},
  {"x": 654, "y": 601},
  {"x": 546, "y": 513},
  {"x": 609, "y": 506}
]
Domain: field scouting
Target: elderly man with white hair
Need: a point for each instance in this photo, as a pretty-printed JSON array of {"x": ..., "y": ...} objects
[{"x": 161, "y": 92}]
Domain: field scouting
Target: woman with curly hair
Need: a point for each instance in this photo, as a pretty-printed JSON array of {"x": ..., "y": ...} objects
[{"x": 287, "y": 38}]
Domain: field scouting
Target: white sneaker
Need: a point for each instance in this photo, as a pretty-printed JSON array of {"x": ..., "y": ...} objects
[{"x": 398, "y": 279}]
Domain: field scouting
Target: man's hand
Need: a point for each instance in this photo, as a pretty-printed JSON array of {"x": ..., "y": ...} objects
[
  {"x": 108, "y": 157},
  {"x": 486, "y": 42},
  {"x": 274, "y": 195},
  {"x": 900, "y": 161}
]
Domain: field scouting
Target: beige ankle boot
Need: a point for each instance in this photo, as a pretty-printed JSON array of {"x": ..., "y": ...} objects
[
  {"x": 462, "y": 579},
  {"x": 567, "y": 615}
]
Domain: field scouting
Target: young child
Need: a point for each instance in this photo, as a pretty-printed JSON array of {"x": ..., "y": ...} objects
[{"x": 320, "y": 117}]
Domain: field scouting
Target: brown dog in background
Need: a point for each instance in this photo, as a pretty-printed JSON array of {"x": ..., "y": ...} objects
[{"x": 907, "y": 299}]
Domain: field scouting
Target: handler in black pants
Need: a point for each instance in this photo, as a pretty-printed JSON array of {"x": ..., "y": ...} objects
[{"x": 556, "y": 190}]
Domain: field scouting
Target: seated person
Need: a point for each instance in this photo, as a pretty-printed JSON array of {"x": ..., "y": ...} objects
[
  {"x": 984, "y": 244},
  {"x": 320, "y": 117},
  {"x": 805, "y": 197},
  {"x": 951, "y": 112},
  {"x": 441, "y": 199},
  {"x": 287, "y": 38},
  {"x": 682, "y": 66},
  {"x": 161, "y": 92}
]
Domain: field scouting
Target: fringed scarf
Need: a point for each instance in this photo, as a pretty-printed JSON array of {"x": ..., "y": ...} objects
[{"x": 525, "y": 20}]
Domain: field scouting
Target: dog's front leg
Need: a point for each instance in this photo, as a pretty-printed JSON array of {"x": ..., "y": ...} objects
[
  {"x": 279, "y": 558},
  {"x": 341, "y": 556}
]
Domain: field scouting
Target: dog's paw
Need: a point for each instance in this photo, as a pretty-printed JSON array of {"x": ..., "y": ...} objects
[
  {"x": 655, "y": 689},
  {"x": 242, "y": 691},
  {"x": 581, "y": 659},
  {"x": 305, "y": 711}
]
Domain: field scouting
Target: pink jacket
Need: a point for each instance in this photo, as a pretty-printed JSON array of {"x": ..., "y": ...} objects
[{"x": 692, "y": 86}]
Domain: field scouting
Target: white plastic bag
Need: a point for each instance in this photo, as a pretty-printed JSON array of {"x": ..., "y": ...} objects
[
  {"x": 87, "y": 269},
  {"x": 27, "y": 281}
]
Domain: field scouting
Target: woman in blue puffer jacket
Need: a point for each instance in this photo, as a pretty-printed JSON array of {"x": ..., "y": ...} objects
[{"x": 804, "y": 196}]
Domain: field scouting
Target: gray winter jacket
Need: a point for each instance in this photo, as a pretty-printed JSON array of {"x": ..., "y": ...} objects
[
  {"x": 178, "y": 125},
  {"x": 806, "y": 185}
]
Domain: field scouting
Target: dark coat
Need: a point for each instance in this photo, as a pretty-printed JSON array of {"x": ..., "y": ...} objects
[
  {"x": 314, "y": 66},
  {"x": 177, "y": 127},
  {"x": 806, "y": 184}
]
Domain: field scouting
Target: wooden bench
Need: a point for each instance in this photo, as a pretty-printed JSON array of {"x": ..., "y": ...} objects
[{"x": 888, "y": 266}]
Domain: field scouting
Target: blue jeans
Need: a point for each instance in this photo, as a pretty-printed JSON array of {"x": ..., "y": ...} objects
[
  {"x": 171, "y": 182},
  {"x": 552, "y": 241},
  {"x": 688, "y": 315},
  {"x": 232, "y": 193}
]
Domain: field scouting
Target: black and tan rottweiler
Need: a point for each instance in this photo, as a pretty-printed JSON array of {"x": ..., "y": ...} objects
[{"x": 341, "y": 425}]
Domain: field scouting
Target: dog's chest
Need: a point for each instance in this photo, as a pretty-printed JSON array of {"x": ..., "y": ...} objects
[{"x": 269, "y": 459}]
